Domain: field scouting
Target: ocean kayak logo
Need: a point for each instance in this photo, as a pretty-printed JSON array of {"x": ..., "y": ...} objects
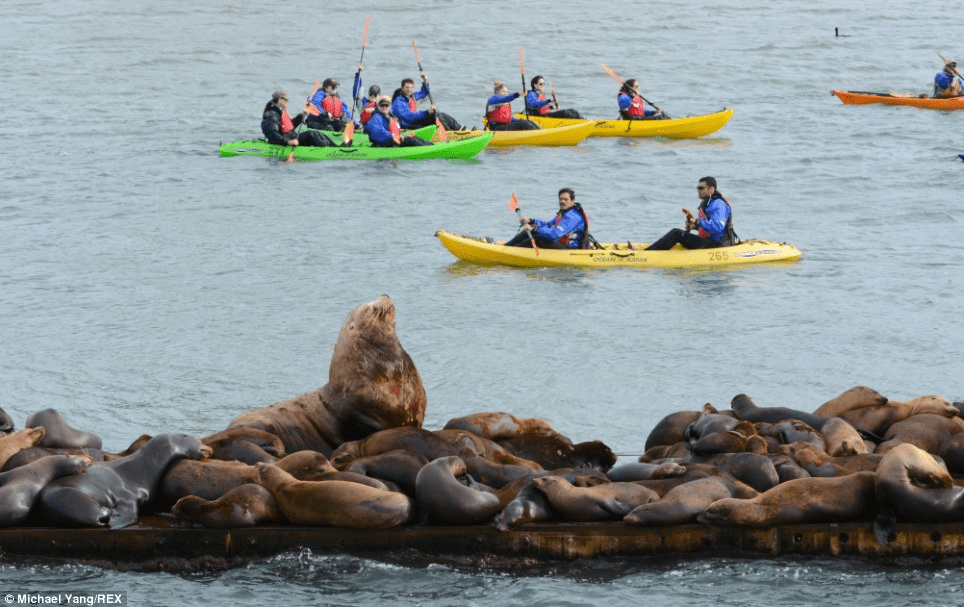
[{"x": 756, "y": 253}]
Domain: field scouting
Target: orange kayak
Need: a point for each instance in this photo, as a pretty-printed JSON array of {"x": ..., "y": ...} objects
[{"x": 936, "y": 103}]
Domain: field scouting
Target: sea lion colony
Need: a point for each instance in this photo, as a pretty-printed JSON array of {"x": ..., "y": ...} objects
[{"x": 353, "y": 454}]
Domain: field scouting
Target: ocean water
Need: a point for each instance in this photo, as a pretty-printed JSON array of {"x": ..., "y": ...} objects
[{"x": 149, "y": 285}]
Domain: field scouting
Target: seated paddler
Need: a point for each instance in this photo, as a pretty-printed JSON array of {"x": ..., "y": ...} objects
[
  {"x": 567, "y": 230},
  {"x": 498, "y": 111},
  {"x": 714, "y": 225}
]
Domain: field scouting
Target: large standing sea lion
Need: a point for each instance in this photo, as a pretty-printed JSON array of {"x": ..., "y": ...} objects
[
  {"x": 372, "y": 385},
  {"x": 20, "y": 487}
]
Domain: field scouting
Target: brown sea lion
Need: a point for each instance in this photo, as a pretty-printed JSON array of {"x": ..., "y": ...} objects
[
  {"x": 914, "y": 487},
  {"x": 925, "y": 430},
  {"x": 19, "y": 488},
  {"x": 606, "y": 502},
  {"x": 336, "y": 503},
  {"x": 372, "y": 385},
  {"x": 857, "y": 397},
  {"x": 244, "y": 506},
  {"x": 754, "y": 469},
  {"x": 468, "y": 444},
  {"x": 818, "y": 463},
  {"x": 530, "y": 505},
  {"x": 672, "y": 428},
  {"x": 803, "y": 500},
  {"x": 447, "y": 494},
  {"x": 59, "y": 433},
  {"x": 841, "y": 438},
  {"x": 399, "y": 467},
  {"x": 111, "y": 493},
  {"x": 246, "y": 445},
  {"x": 418, "y": 441},
  {"x": 497, "y": 426},
  {"x": 11, "y": 444},
  {"x": 553, "y": 451},
  {"x": 683, "y": 503},
  {"x": 876, "y": 417}
]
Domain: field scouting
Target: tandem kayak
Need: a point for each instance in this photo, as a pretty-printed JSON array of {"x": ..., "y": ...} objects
[
  {"x": 466, "y": 148},
  {"x": 568, "y": 134},
  {"x": 484, "y": 251},
  {"x": 360, "y": 138},
  {"x": 935, "y": 103},
  {"x": 689, "y": 127}
]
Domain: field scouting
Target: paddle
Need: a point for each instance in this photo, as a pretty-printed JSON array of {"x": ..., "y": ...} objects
[
  {"x": 522, "y": 70},
  {"x": 689, "y": 218},
  {"x": 514, "y": 206},
  {"x": 441, "y": 129},
  {"x": 620, "y": 81},
  {"x": 555, "y": 101},
  {"x": 350, "y": 127}
]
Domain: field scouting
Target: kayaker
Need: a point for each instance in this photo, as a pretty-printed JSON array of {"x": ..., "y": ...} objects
[
  {"x": 714, "y": 224},
  {"x": 334, "y": 113},
  {"x": 369, "y": 104},
  {"x": 948, "y": 83},
  {"x": 631, "y": 103},
  {"x": 384, "y": 131},
  {"x": 498, "y": 111},
  {"x": 405, "y": 107},
  {"x": 567, "y": 230},
  {"x": 279, "y": 128},
  {"x": 536, "y": 102}
]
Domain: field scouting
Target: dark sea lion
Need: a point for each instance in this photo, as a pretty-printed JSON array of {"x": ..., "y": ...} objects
[
  {"x": 553, "y": 451},
  {"x": 498, "y": 426},
  {"x": 709, "y": 423},
  {"x": 694, "y": 471},
  {"x": 672, "y": 428},
  {"x": 19, "y": 488},
  {"x": 372, "y": 385},
  {"x": 787, "y": 468},
  {"x": 754, "y": 469},
  {"x": 417, "y": 441},
  {"x": 111, "y": 493},
  {"x": 246, "y": 445},
  {"x": 530, "y": 505},
  {"x": 244, "y": 506},
  {"x": 680, "y": 450},
  {"x": 59, "y": 433},
  {"x": 683, "y": 503},
  {"x": 606, "y": 502},
  {"x": 6, "y": 423},
  {"x": 803, "y": 500},
  {"x": 447, "y": 494},
  {"x": 11, "y": 444},
  {"x": 925, "y": 430},
  {"x": 739, "y": 440},
  {"x": 399, "y": 467},
  {"x": 468, "y": 444},
  {"x": 912, "y": 486},
  {"x": 952, "y": 453},
  {"x": 336, "y": 503},
  {"x": 745, "y": 409},
  {"x": 31, "y": 454}
]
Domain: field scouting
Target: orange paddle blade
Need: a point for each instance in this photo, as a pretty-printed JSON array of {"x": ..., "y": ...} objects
[
  {"x": 368, "y": 21},
  {"x": 688, "y": 214},
  {"x": 440, "y": 131},
  {"x": 415, "y": 48},
  {"x": 522, "y": 62},
  {"x": 611, "y": 73},
  {"x": 513, "y": 202},
  {"x": 349, "y": 133}
]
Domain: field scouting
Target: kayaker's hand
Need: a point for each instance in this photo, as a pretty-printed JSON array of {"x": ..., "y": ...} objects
[
  {"x": 432, "y": 110},
  {"x": 292, "y": 142}
]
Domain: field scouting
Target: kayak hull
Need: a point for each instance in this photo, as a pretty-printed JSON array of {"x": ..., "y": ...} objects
[
  {"x": 568, "y": 134},
  {"x": 466, "y": 148},
  {"x": 863, "y": 97},
  {"x": 360, "y": 138},
  {"x": 479, "y": 250},
  {"x": 689, "y": 127}
]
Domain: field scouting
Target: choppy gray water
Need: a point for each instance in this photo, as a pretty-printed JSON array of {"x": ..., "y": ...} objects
[{"x": 149, "y": 285}]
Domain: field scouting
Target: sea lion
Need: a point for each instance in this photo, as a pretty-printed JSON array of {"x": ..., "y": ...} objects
[
  {"x": 951, "y": 452},
  {"x": 754, "y": 469},
  {"x": 803, "y": 500},
  {"x": 745, "y": 409},
  {"x": 244, "y": 506},
  {"x": 876, "y": 417},
  {"x": 857, "y": 397},
  {"x": 639, "y": 471},
  {"x": 683, "y": 503},
  {"x": 468, "y": 444},
  {"x": 418, "y": 441},
  {"x": 709, "y": 423},
  {"x": 59, "y": 433},
  {"x": 671, "y": 429},
  {"x": 912, "y": 486},
  {"x": 498, "y": 426},
  {"x": 11, "y": 444},
  {"x": 925, "y": 430},
  {"x": 6, "y": 423},
  {"x": 109, "y": 494},
  {"x": 841, "y": 438},
  {"x": 372, "y": 385},
  {"x": 606, "y": 502},
  {"x": 447, "y": 494},
  {"x": 530, "y": 505},
  {"x": 246, "y": 445},
  {"x": 819, "y": 463},
  {"x": 20, "y": 487},
  {"x": 554, "y": 451},
  {"x": 398, "y": 467},
  {"x": 31, "y": 454},
  {"x": 336, "y": 503}
]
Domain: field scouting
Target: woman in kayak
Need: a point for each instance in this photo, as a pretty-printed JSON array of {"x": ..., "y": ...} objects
[
  {"x": 279, "y": 128},
  {"x": 498, "y": 111},
  {"x": 384, "y": 131},
  {"x": 369, "y": 104},
  {"x": 948, "y": 83},
  {"x": 567, "y": 230},
  {"x": 631, "y": 103},
  {"x": 714, "y": 224},
  {"x": 536, "y": 102}
]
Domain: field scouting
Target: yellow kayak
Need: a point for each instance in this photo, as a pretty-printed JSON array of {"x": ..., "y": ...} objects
[
  {"x": 689, "y": 127},
  {"x": 568, "y": 134},
  {"x": 631, "y": 255}
]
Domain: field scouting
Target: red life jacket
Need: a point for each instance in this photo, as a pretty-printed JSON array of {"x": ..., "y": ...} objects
[
  {"x": 366, "y": 113},
  {"x": 703, "y": 233},
  {"x": 286, "y": 124},
  {"x": 636, "y": 108},
  {"x": 565, "y": 239},
  {"x": 412, "y": 104},
  {"x": 332, "y": 105},
  {"x": 543, "y": 109},
  {"x": 499, "y": 114},
  {"x": 396, "y": 131}
]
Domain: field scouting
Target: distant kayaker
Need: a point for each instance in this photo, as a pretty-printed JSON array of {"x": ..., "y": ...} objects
[
  {"x": 405, "y": 107},
  {"x": 369, "y": 104},
  {"x": 948, "y": 82},
  {"x": 536, "y": 102},
  {"x": 567, "y": 230},
  {"x": 631, "y": 103},
  {"x": 714, "y": 224},
  {"x": 498, "y": 111},
  {"x": 334, "y": 113},
  {"x": 279, "y": 128},
  {"x": 384, "y": 131}
]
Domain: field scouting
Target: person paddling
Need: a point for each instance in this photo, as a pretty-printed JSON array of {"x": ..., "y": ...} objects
[
  {"x": 537, "y": 104},
  {"x": 405, "y": 107},
  {"x": 948, "y": 83},
  {"x": 383, "y": 129},
  {"x": 714, "y": 224},
  {"x": 498, "y": 111},
  {"x": 369, "y": 104},
  {"x": 334, "y": 112},
  {"x": 279, "y": 128},
  {"x": 631, "y": 103},
  {"x": 567, "y": 230}
]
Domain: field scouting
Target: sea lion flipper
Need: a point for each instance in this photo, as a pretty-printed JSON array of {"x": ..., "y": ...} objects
[{"x": 884, "y": 526}]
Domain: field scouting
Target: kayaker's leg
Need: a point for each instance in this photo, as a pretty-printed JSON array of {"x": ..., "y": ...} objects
[
  {"x": 667, "y": 241},
  {"x": 410, "y": 141},
  {"x": 519, "y": 240},
  {"x": 573, "y": 114},
  {"x": 316, "y": 139}
]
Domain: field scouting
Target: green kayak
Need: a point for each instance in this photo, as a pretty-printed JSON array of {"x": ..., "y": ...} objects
[{"x": 465, "y": 148}]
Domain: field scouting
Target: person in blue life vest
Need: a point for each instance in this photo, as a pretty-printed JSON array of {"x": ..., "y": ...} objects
[
  {"x": 498, "y": 111},
  {"x": 334, "y": 113},
  {"x": 279, "y": 127},
  {"x": 714, "y": 224},
  {"x": 383, "y": 129},
  {"x": 631, "y": 103},
  {"x": 567, "y": 230},
  {"x": 948, "y": 83},
  {"x": 405, "y": 107},
  {"x": 537, "y": 104}
]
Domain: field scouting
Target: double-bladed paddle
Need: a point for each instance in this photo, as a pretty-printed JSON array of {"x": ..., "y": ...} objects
[
  {"x": 441, "y": 129},
  {"x": 514, "y": 206}
]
